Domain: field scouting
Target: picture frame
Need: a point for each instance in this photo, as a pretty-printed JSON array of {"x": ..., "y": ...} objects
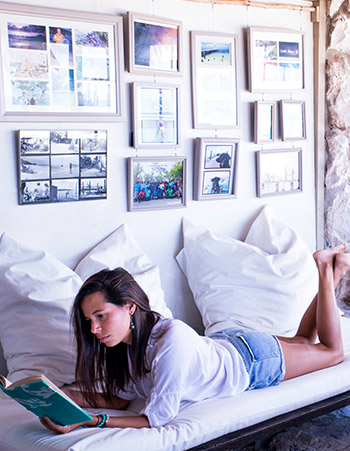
[
  {"x": 279, "y": 172},
  {"x": 293, "y": 120},
  {"x": 275, "y": 59},
  {"x": 156, "y": 115},
  {"x": 264, "y": 121},
  {"x": 155, "y": 45},
  {"x": 58, "y": 64},
  {"x": 57, "y": 166},
  {"x": 157, "y": 183},
  {"x": 214, "y": 80},
  {"x": 215, "y": 170}
]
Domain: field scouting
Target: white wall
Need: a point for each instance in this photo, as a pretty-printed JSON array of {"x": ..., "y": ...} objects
[{"x": 69, "y": 230}]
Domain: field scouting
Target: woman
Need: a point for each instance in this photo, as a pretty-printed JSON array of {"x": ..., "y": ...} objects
[{"x": 126, "y": 350}]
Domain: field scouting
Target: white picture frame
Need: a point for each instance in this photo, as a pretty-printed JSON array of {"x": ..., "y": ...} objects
[
  {"x": 57, "y": 63},
  {"x": 293, "y": 120},
  {"x": 214, "y": 80}
]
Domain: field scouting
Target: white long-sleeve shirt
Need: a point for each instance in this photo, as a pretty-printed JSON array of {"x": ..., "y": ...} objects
[{"x": 185, "y": 367}]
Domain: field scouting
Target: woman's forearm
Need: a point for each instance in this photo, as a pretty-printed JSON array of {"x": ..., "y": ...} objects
[{"x": 114, "y": 403}]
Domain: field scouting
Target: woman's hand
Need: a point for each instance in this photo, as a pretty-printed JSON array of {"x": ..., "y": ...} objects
[{"x": 58, "y": 429}]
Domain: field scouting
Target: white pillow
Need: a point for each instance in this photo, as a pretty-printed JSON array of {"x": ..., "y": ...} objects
[
  {"x": 264, "y": 283},
  {"x": 35, "y": 299},
  {"x": 121, "y": 249},
  {"x": 36, "y": 296}
]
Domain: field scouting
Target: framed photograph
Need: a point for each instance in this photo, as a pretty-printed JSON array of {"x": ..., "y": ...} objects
[
  {"x": 156, "y": 183},
  {"x": 62, "y": 165},
  {"x": 60, "y": 63},
  {"x": 156, "y": 115},
  {"x": 276, "y": 60},
  {"x": 264, "y": 122},
  {"x": 155, "y": 45},
  {"x": 215, "y": 170},
  {"x": 293, "y": 123},
  {"x": 278, "y": 172},
  {"x": 214, "y": 80}
]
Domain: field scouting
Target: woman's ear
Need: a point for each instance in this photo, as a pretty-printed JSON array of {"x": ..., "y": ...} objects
[{"x": 132, "y": 307}]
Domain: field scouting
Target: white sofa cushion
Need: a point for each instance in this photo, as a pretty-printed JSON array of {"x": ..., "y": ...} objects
[
  {"x": 121, "y": 249},
  {"x": 35, "y": 299},
  {"x": 264, "y": 283}
]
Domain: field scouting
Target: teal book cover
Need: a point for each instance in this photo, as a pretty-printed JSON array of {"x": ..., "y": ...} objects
[{"x": 43, "y": 398}]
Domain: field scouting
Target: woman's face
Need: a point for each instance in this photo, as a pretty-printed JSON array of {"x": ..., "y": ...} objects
[{"x": 109, "y": 323}]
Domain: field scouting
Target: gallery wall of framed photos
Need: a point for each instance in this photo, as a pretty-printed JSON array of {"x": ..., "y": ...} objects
[{"x": 175, "y": 87}]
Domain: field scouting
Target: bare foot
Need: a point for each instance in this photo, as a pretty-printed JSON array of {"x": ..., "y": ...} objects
[
  {"x": 327, "y": 255},
  {"x": 341, "y": 266}
]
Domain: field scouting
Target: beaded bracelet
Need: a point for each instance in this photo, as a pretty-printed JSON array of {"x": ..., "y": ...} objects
[{"x": 103, "y": 420}]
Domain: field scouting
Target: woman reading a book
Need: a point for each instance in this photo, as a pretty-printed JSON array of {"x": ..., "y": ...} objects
[{"x": 126, "y": 350}]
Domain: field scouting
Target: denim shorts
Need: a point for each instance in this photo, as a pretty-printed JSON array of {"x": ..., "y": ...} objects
[{"x": 261, "y": 354}]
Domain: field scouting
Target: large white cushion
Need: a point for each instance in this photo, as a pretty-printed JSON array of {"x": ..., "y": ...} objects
[
  {"x": 121, "y": 249},
  {"x": 35, "y": 299},
  {"x": 36, "y": 295},
  {"x": 264, "y": 283}
]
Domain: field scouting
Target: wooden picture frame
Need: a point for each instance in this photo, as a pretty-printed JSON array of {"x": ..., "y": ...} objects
[
  {"x": 157, "y": 183},
  {"x": 293, "y": 120},
  {"x": 278, "y": 172},
  {"x": 155, "y": 45},
  {"x": 215, "y": 171},
  {"x": 58, "y": 166},
  {"x": 60, "y": 64},
  {"x": 264, "y": 121},
  {"x": 156, "y": 115},
  {"x": 275, "y": 59},
  {"x": 214, "y": 80}
]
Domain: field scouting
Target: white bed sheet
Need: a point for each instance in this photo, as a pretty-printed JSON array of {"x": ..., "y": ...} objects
[{"x": 196, "y": 423}]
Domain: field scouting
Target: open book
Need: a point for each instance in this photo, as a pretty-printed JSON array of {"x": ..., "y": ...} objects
[{"x": 39, "y": 395}]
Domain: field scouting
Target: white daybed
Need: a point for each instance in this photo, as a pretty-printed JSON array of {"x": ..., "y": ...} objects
[{"x": 37, "y": 291}]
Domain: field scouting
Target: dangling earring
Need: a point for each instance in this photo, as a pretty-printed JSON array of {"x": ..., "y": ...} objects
[{"x": 132, "y": 325}]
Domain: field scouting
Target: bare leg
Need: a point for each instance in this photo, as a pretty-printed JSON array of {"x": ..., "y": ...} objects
[
  {"x": 301, "y": 356},
  {"x": 307, "y": 330}
]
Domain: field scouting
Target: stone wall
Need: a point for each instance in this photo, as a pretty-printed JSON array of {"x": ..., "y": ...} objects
[{"x": 337, "y": 179}]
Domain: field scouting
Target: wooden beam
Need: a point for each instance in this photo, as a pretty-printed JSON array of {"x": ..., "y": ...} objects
[{"x": 257, "y": 4}]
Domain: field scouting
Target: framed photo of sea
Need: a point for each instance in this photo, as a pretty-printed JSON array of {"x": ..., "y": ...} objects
[
  {"x": 214, "y": 80},
  {"x": 155, "y": 45},
  {"x": 58, "y": 63},
  {"x": 278, "y": 172},
  {"x": 275, "y": 60}
]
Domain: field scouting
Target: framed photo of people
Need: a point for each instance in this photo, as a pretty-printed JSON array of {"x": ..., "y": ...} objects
[
  {"x": 215, "y": 171},
  {"x": 278, "y": 172},
  {"x": 155, "y": 45},
  {"x": 293, "y": 122},
  {"x": 62, "y": 165},
  {"x": 156, "y": 183},
  {"x": 60, "y": 63},
  {"x": 214, "y": 80},
  {"x": 276, "y": 59},
  {"x": 156, "y": 115}
]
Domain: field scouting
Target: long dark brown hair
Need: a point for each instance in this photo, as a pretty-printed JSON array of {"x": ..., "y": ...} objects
[{"x": 99, "y": 367}]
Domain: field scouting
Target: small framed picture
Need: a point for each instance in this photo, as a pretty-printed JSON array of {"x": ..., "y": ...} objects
[
  {"x": 155, "y": 45},
  {"x": 276, "y": 59},
  {"x": 156, "y": 183},
  {"x": 214, "y": 80},
  {"x": 278, "y": 172},
  {"x": 293, "y": 123},
  {"x": 62, "y": 165},
  {"x": 215, "y": 170},
  {"x": 264, "y": 122},
  {"x": 156, "y": 115}
]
